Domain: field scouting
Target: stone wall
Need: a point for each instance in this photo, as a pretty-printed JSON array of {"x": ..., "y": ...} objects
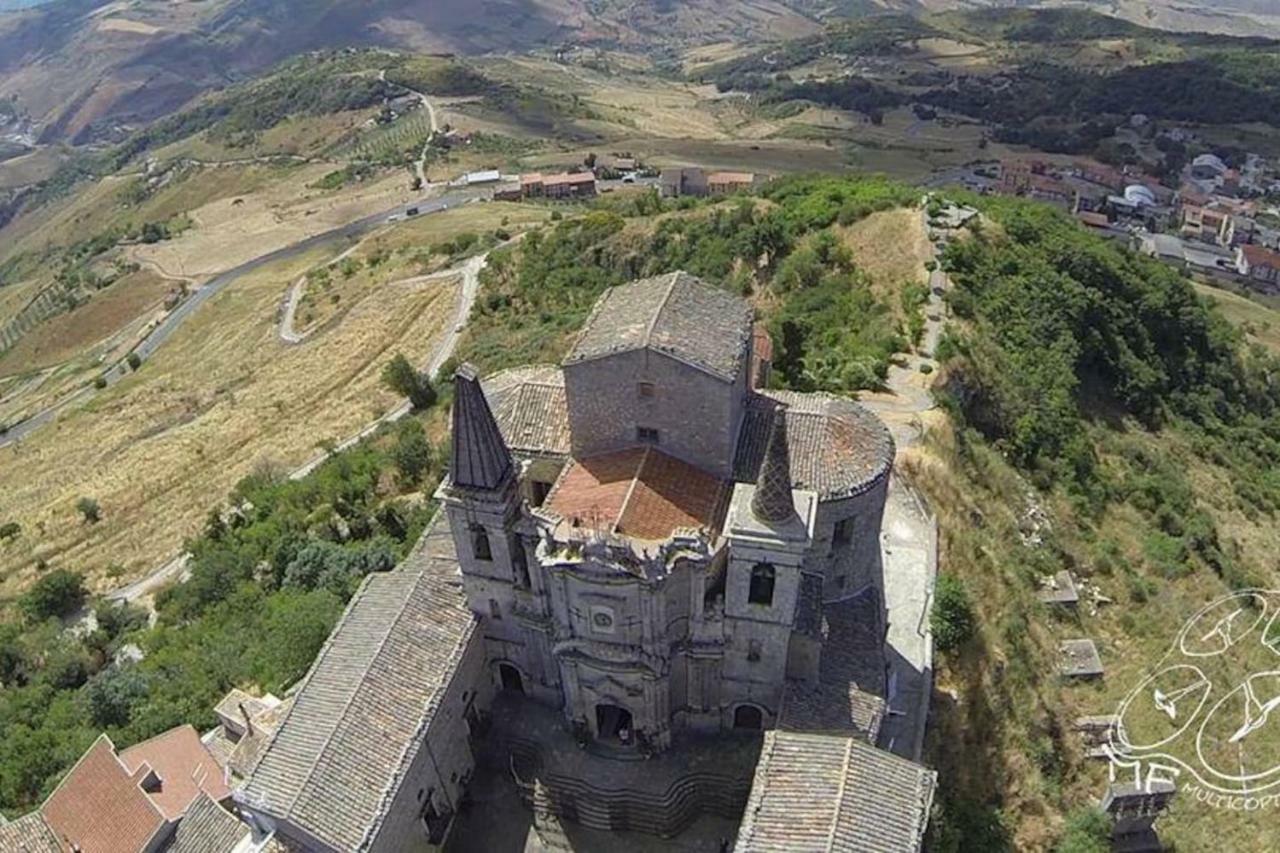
[
  {"x": 696, "y": 415},
  {"x": 444, "y": 763}
]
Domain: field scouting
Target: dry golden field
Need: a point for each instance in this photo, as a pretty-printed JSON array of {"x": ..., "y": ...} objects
[{"x": 223, "y": 395}]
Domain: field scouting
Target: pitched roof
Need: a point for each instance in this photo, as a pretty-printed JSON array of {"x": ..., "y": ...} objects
[
  {"x": 338, "y": 757},
  {"x": 815, "y": 792},
  {"x": 479, "y": 456},
  {"x": 1260, "y": 256},
  {"x": 772, "y": 499},
  {"x": 531, "y": 408},
  {"x": 848, "y": 698},
  {"x": 185, "y": 768},
  {"x": 28, "y": 834},
  {"x": 640, "y": 492},
  {"x": 100, "y": 808},
  {"x": 208, "y": 828},
  {"x": 838, "y": 448},
  {"x": 674, "y": 314}
]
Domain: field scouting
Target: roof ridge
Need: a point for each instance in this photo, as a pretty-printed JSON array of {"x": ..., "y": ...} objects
[
  {"x": 164, "y": 733},
  {"x": 839, "y": 802},
  {"x": 631, "y": 489},
  {"x": 662, "y": 306},
  {"x": 346, "y": 705}
]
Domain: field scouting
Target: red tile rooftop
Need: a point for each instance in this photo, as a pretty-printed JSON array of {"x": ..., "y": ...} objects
[
  {"x": 641, "y": 492},
  {"x": 185, "y": 767},
  {"x": 99, "y": 808}
]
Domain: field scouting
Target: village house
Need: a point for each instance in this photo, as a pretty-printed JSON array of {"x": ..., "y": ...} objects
[
  {"x": 636, "y": 546},
  {"x": 1260, "y": 264},
  {"x": 562, "y": 185},
  {"x": 131, "y": 801},
  {"x": 726, "y": 183}
]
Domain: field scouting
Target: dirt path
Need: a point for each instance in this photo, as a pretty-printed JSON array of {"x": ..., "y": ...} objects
[{"x": 420, "y": 165}]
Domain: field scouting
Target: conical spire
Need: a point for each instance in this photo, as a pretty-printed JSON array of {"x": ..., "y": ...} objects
[
  {"x": 480, "y": 458},
  {"x": 772, "y": 501}
]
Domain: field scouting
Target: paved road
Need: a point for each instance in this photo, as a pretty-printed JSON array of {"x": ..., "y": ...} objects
[{"x": 216, "y": 285}]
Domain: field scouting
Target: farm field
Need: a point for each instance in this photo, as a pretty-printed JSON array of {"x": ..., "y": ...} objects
[
  {"x": 1260, "y": 323},
  {"x": 222, "y": 396}
]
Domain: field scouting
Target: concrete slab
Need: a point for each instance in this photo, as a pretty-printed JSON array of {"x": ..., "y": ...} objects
[
  {"x": 1060, "y": 589},
  {"x": 1079, "y": 659}
]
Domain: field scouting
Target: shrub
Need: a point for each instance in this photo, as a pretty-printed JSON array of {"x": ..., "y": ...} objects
[
  {"x": 133, "y": 360},
  {"x": 99, "y": 382},
  {"x": 412, "y": 451},
  {"x": 952, "y": 618},
  {"x": 1088, "y": 831},
  {"x": 9, "y": 530},
  {"x": 88, "y": 507},
  {"x": 59, "y": 593}
]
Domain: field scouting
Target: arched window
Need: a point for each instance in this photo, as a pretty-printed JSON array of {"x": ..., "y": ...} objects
[
  {"x": 480, "y": 543},
  {"x": 761, "y": 591},
  {"x": 748, "y": 717}
]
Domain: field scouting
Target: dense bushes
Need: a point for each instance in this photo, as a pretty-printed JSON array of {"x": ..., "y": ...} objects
[{"x": 57, "y": 594}]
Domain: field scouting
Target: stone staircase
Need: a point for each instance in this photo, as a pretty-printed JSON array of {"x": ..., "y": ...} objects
[{"x": 553, "y": 797}]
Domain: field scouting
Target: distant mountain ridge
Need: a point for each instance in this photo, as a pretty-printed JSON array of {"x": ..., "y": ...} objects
[{"x": 81, "y": 67}]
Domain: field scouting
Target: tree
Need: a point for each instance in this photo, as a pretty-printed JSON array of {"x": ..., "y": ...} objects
[
  {"x": 88, "y": 507},
  {"x": 400, "y": 376},
  {"x": 952, "y": 617},
  {"x": 59, "y": 593},
  {"x": 133, "y": 360},
  {"x": 412, "y": 451},
  {"x": 113, "y": 694}
]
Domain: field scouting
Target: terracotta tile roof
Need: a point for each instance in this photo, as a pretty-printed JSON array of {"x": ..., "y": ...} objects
[
  {"x": 336, "y": 762},
  {"x": 208, "y": 828},
  {"x": 568, "y": 178},
  {"x": 530, "y": 178},
  {"x": 100, "y": 808},
  {"x": 185, "y": 767},
  {"x": 815, "y": 792},
  {"x": 851, "y": 675},
  {"x": 1260, "y": 256},
  {"x": 675, "y": 314},
  {"x": 28, "y": 834},
  {"x": 641, "y": 492},
  {"x": 731, "y": 178},
  {"x": 531, "y": 409},
  {"x": 838, "y": 448}
]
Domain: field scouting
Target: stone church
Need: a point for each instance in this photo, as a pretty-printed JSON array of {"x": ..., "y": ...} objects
[{"x": 644, "y": 540}]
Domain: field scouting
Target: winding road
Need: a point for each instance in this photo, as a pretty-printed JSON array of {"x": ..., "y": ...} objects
[{"x": 216, "y": 285}]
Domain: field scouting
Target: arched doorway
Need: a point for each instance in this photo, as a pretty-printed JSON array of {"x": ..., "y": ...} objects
[
  {"x": 511, "y": 679},
  {"x": 748, "y": 717},
  {"x": 614, "y": 724}
]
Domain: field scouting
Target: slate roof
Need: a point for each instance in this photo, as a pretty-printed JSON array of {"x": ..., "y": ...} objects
[
  {"x": 99, "y": 807},
  {"x": 185, "y": 768},
  {"x": 335, "y": 762},
  {"x": 639, "y": 492},
  {"x": 675, "y": 314},
  {"x": 28, "y": 834},
  {"x": 838, "y": 448},
  {"x": 530, "y": 406},
  {"x": 479, "y": 456},
  {"x": 851, "y": 674},
  {"x": 208, "y": 828},
  {"x": 814, "y": 792}
]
